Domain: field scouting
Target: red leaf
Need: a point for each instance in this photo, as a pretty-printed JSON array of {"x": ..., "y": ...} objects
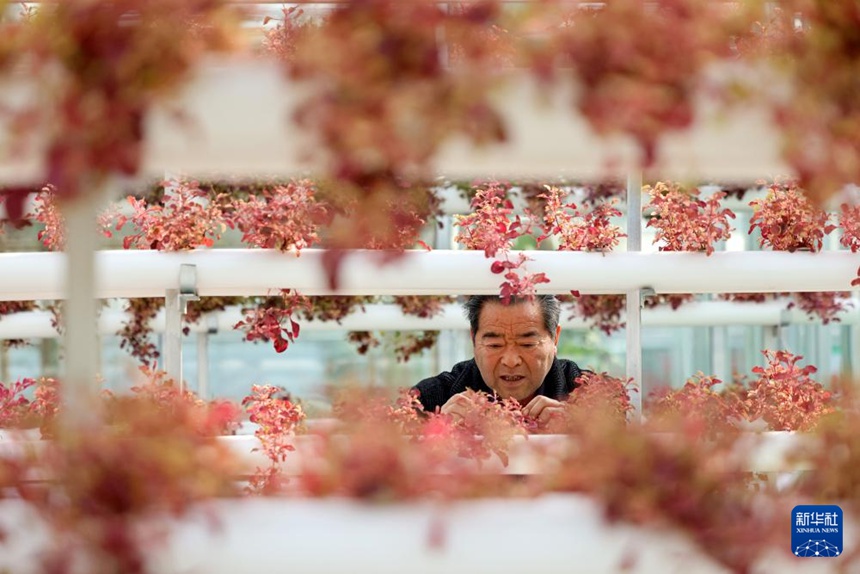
[
  {"x": 296, "y": 328},
  {"x": 281, "y": 345},
  {"x": 498, "y": 267}
]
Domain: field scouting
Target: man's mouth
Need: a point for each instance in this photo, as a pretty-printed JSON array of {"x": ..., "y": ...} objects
[{"x": 512, "y": 378}]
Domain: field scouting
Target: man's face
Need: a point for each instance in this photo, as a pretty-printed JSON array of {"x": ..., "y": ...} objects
[{"x": 513, "y": 349}]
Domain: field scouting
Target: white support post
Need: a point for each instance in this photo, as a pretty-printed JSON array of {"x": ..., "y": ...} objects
[
  {"x": 719, "y": 353},
  {"x": 79, "y": 393},
  {"x": 172, "y": 338},
  {"x": 773, "y": 337},
  {"x": 446, "y": 345},
  {"x": 634, "y": 298},
  {"x": 175, "y": 303},
  {"x": 203, "y": 365}
]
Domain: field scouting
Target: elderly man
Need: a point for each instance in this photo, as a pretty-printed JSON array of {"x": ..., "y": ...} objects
[{"x": 515, "y": 349}]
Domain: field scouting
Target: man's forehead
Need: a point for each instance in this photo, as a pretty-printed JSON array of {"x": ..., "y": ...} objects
[{"x": 518, "y": 320}]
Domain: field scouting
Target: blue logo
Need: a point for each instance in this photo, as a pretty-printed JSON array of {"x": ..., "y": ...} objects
[{"x": 816, "y": 531}]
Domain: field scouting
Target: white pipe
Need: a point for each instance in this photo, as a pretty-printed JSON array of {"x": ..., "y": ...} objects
[
  {"x": 237, "y": 120},
  {"x": 389, "y": 317},
  {"x": 336, "y": 535},
  {"x": 225, "y": 272}
]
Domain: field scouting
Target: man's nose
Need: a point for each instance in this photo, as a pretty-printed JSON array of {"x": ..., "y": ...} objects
[{"x": 510, "y": 358}]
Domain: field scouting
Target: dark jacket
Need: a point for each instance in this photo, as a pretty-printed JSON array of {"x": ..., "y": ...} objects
[{"x": 435, "y": 391}]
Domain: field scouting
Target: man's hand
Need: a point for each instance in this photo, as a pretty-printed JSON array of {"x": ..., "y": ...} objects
[
  {"x": 457, "y": 406},
  {"x": 543, "y": 409}
]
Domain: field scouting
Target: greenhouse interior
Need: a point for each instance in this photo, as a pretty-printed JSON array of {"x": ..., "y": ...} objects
[{"x": 386, "y": 285}]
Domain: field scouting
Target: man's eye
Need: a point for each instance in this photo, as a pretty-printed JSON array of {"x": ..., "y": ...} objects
[
  {"x": 494, "y": 346},
  {"x": 528, "y": 345}
]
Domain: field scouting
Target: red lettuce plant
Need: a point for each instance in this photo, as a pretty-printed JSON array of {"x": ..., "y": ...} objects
[
  {"x": 218, "y": 417},
  {"x": 278, "y": 419},
  {"x": 699, "y": 402},
  {"x": 383, "y": 101},
  {"x": 627, "y": 82},
  {"x": 185, "y": 219},
  {"x": 577, "y": 230},
  {"x": 53, "y": 235},
  {"x": 355, "y": 405},
  {"x": 683, "y": 221},
  {"x": 424, "y": 306},
  {"x": 157, "y": 463},
  {"x": 109, "y": 62},
  {"x": 595, "y": 194},
  {"x": 286, "y": 217},
  {"x": 785, "y": 396},
  {"x": 788, "y": 220},
  {"x": 820, "y": 118},
  {"x": 135, "y": 332},
  {"x": 333, "y": 307},
  {"x": 491, "y": 229},
  {"x": 268, "y": 321},
  {"x": 14, "y": 406},
  {"x": 162, "y": 391},
  {"x": 387, "y": 452},
  {"x": 602, "y": 311},
  {"x": 489, "y": 425},
  {"x": 597, "y": 392},
  {"x": 18, "y": 411},
  {"x": 363, "y": 341},
  {"x": 385, "y": 56},
  {"x": 849, "y": 223},
  {"x": 825, "y": 305},
  {"x": 46, "y": 405},
  {"x": 685, "y": 480},
  {"x": 281, "y": 40},
  {"x": 408, "y": 344}
]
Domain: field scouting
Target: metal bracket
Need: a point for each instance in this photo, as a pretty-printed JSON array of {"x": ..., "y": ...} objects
[
  {"x": 645, "y": 292},
  {"x": 187, "y": 286}
]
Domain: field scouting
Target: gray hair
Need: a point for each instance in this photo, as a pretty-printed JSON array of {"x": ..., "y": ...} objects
[{"x": 550, "y": 309}]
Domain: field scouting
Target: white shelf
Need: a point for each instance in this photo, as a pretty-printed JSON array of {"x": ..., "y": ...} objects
[
  {"x": 236, "y": 120},
  {"x": 40, "y": 276}
]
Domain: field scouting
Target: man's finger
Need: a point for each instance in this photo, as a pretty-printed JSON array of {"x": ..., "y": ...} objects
[
  {"x": 533, "y": 408},
  {"x": 547, "y": 413}
]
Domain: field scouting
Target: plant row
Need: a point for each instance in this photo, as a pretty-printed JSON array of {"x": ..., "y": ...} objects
[{"x": 686, "y": 468}]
